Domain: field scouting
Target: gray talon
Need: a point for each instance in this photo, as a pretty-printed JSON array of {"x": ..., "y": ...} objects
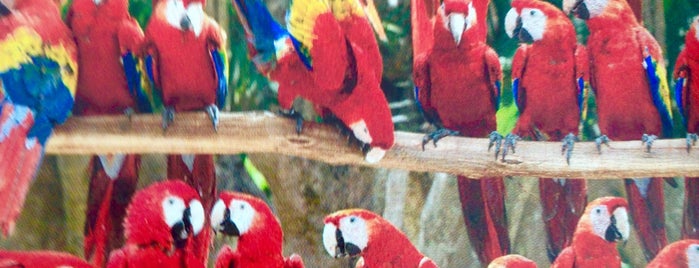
[
  {"x": 510, "y": 143},
  {"x": 129, "y": 112},
  {"x": 648, "y": 141},
  {"x": 168, "y": 116},
  {"x": 212, "y": 111},
  {"x": 496, "y": 140},
  {"x": 568, "y": 144},
  {"x": 437, "y": 135},
  {"x": 293, "y": 114},
  {"x": 601, "y": 140},
  {"x": 691, "y": 140}
]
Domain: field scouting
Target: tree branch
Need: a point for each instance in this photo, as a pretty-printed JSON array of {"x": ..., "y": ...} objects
[{"x": 263, "y": 132}]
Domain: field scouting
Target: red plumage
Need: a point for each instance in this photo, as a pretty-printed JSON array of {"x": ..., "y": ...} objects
[
  {"x": 680, "y": 254},
  {"x": 604, "y": 221},
  {"x": 160, "y": 226},
  {"x": 453, "y": 70},
  {"x": 41, "y": 259},
  {"x": 359, "y": 232},
  {"x": 20, "y": 156},
  {"x": 546, "y": 74},
  {"x": 260, "y": 235},
  {"x": 181, "y": 43},
  {"x": 687, "y": 67},
  {"x": 104, "y": 32},
  {"x": 617, "y": 46}
]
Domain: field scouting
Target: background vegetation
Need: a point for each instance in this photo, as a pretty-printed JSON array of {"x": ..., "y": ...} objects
[{"x": 424, "y": 206}]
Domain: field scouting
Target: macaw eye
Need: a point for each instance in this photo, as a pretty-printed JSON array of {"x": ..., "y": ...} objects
[
  {"x": 533, "y": 12},
  {"x": 242, "y": 206},
  {"x": 598, "y": 211},
  {"x": 353, "y": 219}
]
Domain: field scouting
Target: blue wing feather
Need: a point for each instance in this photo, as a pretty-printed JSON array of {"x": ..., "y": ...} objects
[
  {"x": 133, "y": 80},
  {"x": 149, "y": 69},
  {"x": 416, "y": 92},
  {"x": 679, "y": 93},
  {"x": 38, "y": 86},
  {"x": 654, "y": 85},
  {"x": 219, "y": 67},
  {"x": 497, "y": 98},
  {"x": 264, "y": 33},
  {"x": 515, "y": 92},
  {"x": 581, "y": 93}
]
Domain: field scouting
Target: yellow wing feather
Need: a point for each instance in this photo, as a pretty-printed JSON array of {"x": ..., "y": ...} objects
[{"x": 302, "y": 19}]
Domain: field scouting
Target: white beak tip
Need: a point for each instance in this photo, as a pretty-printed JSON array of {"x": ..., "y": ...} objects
[{"x": 374, "y": 155}]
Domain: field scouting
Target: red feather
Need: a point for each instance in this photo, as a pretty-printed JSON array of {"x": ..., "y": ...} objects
[
  {"x": 41, "y": 259},
  {"x": 677, "y": 255}
]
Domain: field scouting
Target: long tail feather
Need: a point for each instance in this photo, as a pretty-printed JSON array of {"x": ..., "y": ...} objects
[
  {"x": 563, "y": 202},
  {"x": 690, "y": 222},
  {"x": 201, "y": 176},
  {"x": 483, "y": 205},
  {"x": 647, "y": 207},
  {"x": 107, "y": 201}
]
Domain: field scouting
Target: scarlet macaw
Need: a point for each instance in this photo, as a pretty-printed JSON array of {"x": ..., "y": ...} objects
[
  {"x": 604, "y": 222},
  {"x": 454, "y": 68},
  {"x": 633, "y": 100},
  {"x": 680, "y": 254},
  {"x": 512, "y": 261},
  {"x": 549, "y": 74},
  {"x": 160, "y": 227},
  {"x": 259, "y": 233},
  {"x": 109, "y": 82},
  {"x": 38, "y": 76},
  {"x": 359, "y": 232},
  {"x": 43, "y": 258},
  {"x": 319, "y": 60}
]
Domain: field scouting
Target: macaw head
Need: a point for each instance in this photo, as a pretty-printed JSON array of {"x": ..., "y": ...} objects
[
  {"x": 186, "y": 15},
  {"x": 239, "y": 214},
  {"x": 606, "y": 217},
  {"x": 458, "y": 16},
  {"x": 342, "y": 9},
  {"x": 347, "y": 232},
  {"x": 371, "y": 123},
  {"x": 693, "y": 32},
  {"x": 681, "y": 254},
  {"x": 590, "y": 9},
  {"x": 165, "y": 215},
  {"x": 533, "y": 20},
  {"x": 512, "y": 261}
]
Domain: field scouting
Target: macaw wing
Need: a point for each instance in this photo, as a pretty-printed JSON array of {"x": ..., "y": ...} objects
[
  {"x": 582, "y": 79},
  {"x": 653, "y": 63},
  {"x": 220, "y": 66},
  {"x": 681, "y": 73},
  {"x": 422, "y": 13},
  {"x": 494, "y": 70},
  {"x": 519, "y": 61},
  {"x": 266, "y": 37},
  {"x": 303, "y": 21},
  {"x": 150, "y": 65},
  {"x": 133, "y": 80},
  {"x": 422, "y": 88}
]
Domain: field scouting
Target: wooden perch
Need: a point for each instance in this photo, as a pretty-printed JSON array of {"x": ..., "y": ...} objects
[{"x": 264, "y": 132}]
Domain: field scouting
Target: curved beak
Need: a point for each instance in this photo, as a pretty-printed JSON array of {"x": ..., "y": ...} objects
[
  {"x": 373, "y": 16},
  {"x": 457, "y": 25},
  {"x": 228, "y": 227},
  {"x": 185, "y": 23},
  {"x": 181, "y": 230}
]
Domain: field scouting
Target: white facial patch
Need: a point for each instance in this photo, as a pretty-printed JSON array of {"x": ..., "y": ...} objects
[
  {"x": 693, "y": 255},
  {"x": 354, "y": 230},
  {"x": 534, "y": 21},
  {"x": 197, "y": 216},
  {"x": 695, "y": 24},
  {"x": 600, "y": 220},
  {"x": 217, "y": 214},
  {"x": 195, "y": 12},
  {"x": 511, "y": 21},
  {"x": 329, "y": 240},
  {"x": 242, "y": 215},
  {"x": 361, "y": 132},
  {"x": 622, "y": 222},
  {"x": 174, "y": 12},
  {"x": 173, "y": 209},
  {"x": 97, "y": 2},
  {"x": 472, "y": 16},
  {"x": 596, "y": 7}
]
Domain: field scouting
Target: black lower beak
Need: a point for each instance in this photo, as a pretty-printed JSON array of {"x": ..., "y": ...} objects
[
  {"x": 185, "y": 23},
  {"x": 522, "y": 34},
  {"x": 4, "y": 11},
  {"x": 518, "y": 27},
  {"x": 227, "y": 226},
  {"x": 612, "y": 233},
  {"x": 580, "y": 10},
  {"x": 352, "y": 250},
  {"x": 181, "y": 230},
  {"x": 340, "y": 250}
]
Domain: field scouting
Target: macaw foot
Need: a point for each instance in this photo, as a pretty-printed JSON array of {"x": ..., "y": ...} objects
[
  {"x": 212, "y": 111},
  {"x": 648, "y": 141},
  {"x": 168, "y": 116},
  {"x": 129, "y": 112},
  {"x": 293, "y": 114},
  {"x": 568, "y": 144},
  {"x": 601, "y": 140},
  {"x": 691, "y": 140},
  {"x": 497, "y": 140},
  {"x": 437, "y": 135}
]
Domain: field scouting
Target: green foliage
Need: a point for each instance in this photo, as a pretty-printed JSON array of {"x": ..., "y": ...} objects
[{"x": 141, "y": 10}]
